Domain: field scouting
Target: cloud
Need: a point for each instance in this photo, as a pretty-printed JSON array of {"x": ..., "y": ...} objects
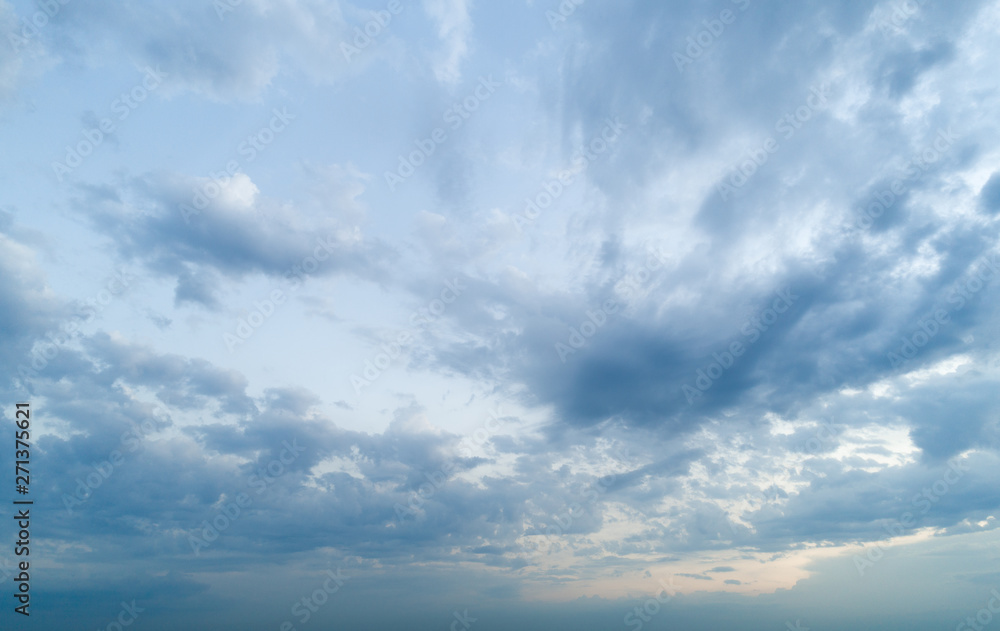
[
  {"x": 699, "y": 577},
  {"x": 732, "y": 406},
  {"x": 454, "y": 29},
  {"x": 29, "y": 310},
  {"x": 233, "y": 53},
  {"x": 239, "y": 233},
  {"x": 990, "y": 194}
]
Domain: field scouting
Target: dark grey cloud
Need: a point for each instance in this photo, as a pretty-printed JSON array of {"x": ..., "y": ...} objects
[
  {"x": 840, "y": 330},
  {"x": 899, "y": 73},
  {"x": 699, "y": 577},
  {"x": 990, "y": 194}
]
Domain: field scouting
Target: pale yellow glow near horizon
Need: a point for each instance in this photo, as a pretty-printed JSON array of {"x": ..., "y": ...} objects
[{"x": 758, "y": 572}]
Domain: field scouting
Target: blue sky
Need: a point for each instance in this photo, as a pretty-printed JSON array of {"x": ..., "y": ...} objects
[{"x": 483, "y": 315}]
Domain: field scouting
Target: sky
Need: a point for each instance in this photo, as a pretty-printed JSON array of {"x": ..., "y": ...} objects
[{"x": 483, "y": 315}]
